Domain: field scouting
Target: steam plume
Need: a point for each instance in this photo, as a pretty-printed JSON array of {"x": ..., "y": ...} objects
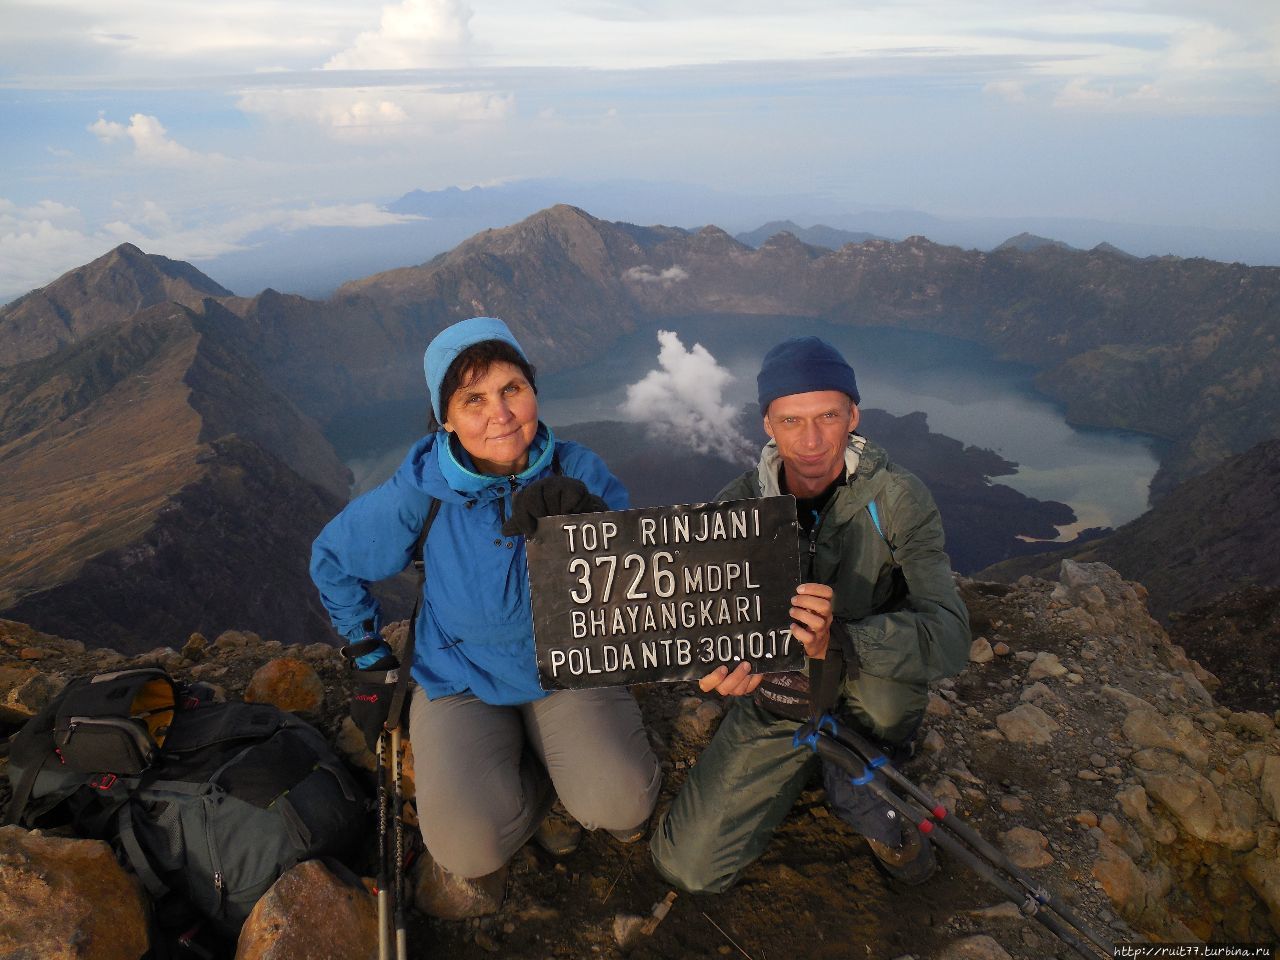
[{"x": 682, "y": 400}]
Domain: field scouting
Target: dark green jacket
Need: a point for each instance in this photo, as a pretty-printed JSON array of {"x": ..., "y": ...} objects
[{"x": 914, "y": 635}]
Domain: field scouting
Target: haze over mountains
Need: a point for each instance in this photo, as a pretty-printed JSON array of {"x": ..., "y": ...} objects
[
  {"x": 315, "y": 261},
  {"x": 150, "y": 455}
]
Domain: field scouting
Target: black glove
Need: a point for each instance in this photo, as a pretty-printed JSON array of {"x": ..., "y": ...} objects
[
  {"x": 549, "y": 497},
  {"x": 372, "y": 689}
]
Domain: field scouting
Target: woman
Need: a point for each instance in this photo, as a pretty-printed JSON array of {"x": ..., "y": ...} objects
[{"x": 493, "y": 750}]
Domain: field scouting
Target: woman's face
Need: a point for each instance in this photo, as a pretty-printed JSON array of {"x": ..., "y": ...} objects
[{"x": 495, "y": 418}]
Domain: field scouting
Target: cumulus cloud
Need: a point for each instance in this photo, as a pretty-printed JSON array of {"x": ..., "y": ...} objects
[
  {"x": 386, "y": 112},
  {"x": 647, "y": 274},
  {"x": 411, "y": 34},
  {"x": 1080, "y": 94},
  {"x": 683, "y": 400},
  {"x": 151, "y": 142}
]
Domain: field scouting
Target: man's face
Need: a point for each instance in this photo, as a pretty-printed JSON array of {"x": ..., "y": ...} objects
[{"x": 811, "y": 431}]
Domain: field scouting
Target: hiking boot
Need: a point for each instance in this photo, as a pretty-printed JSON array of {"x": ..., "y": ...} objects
[
  {"x": 447, "y": 896},
  {"x": 912, "y": 862},
  {"x": 558, "y": 834}
]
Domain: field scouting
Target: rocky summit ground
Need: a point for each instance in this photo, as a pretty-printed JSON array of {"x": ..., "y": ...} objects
[{"x": 1079, "y": 739}]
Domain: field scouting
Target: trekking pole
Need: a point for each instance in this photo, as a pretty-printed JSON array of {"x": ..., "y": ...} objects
[
  {"x": 863, "y": 768},
  {"x": 397, "y": 786},
  {"x": 384, "y": 940},
  {"x": 967, "y": 833}
]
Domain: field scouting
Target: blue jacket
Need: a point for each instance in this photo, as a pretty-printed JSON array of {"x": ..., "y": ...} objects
[{"x": 475, "y": 631}]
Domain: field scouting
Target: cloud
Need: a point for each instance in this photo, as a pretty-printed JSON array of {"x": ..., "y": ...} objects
[
  {"x": 40, "y": 242},
  {"x": 411, "y": 34},
  {"x": 1011, "y": 91},
  {"x": 1080, "y": 94},
  {"x": 378, "y": 113},
  {"x": 683, "y": 400},
  {"x": 646, "y": 274},
  {"x": 151, "y": 143}
]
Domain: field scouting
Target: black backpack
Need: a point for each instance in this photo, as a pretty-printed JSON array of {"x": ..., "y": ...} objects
[{"x": 208, "y": 803}]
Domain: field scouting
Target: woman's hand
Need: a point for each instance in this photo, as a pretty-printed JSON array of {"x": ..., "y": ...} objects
[{"x": 549, "y": 497}]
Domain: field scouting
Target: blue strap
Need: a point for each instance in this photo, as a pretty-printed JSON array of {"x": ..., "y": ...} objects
[
  {"x": 867, "y": 776},
  {"x": 828, "y": 720}
]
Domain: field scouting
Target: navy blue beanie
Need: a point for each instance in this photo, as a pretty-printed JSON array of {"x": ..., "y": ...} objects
[{"x": 804, "y": 365}]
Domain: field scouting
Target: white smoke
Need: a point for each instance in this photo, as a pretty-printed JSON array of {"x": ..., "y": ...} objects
[
  {"x": 683, "y": 400},
  {"x": 646, "y": 274}
]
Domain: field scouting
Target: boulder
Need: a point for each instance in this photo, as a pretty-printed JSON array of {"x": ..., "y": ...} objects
[
  {"x": 1201, "y": 811},
  {"x": 1027, "y": 848},
  {"x": 1028, "y": 724},
  {"x": 1269, "y": 782},
  {"x": 980, "y": 651},
  {"x": 980, "y": 947},
  {"x": 1263, "y": 874},
  {"x": 1045, "y": 665},
  {"x": 1122, "y": 881},
  {"x": 1148, "y": 729},
  {"x": 196, "y": 647},
  {"x": 67, "y": 899},
  {"x": 289, "y": 684},
  {"x": 309, "y": 912},
  {"x": 24, "y": 690},
  {"x": 1252, "y": 722}
]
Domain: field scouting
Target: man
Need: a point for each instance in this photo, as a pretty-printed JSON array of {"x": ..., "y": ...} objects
[{"x": 873, "y": 563}]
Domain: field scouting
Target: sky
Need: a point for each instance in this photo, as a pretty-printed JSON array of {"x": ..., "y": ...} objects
[{"x": 190, "y": 129}]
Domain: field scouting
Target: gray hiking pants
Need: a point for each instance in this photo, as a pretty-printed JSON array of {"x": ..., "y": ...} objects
[
  {"x": 749, "y": 776},
  {"x": 487, "y": 775}
]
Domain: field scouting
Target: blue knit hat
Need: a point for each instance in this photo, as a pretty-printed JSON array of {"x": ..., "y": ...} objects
[
  {"x": 804, "y": 365},
  {"x": 451, "y": 341}
]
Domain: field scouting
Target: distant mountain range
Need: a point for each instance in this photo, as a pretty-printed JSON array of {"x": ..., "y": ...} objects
[
  {"x": 315, "y": 261},
  {"x": 818, "y": 235},
  {"x": 127, "y": 437}
]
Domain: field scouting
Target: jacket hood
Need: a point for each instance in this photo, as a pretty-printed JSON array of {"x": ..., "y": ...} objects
[{"x": 439, "y": 467}]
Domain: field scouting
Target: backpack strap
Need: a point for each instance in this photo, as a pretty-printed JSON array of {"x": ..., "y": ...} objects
[
  {"x": 136, "y": 857},
  {"x": 22, "y": 791},
  {"x": 826, "y": 676},
  {"x": 394, "y": 716}
]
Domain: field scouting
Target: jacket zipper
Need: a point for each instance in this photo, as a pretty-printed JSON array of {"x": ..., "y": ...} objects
[
  {"x": 813, "y": 538},
  {"x": 514, "y": 480}
]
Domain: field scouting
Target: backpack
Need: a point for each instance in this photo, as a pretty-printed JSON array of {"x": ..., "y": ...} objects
[{"x": 208, "y": 803}]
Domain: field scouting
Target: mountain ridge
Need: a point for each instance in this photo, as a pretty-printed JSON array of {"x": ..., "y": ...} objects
[
  {"x": 103, "y": 292},
  {"x": 150, "y": 494},
  {"x": 1186, "y": 550}
]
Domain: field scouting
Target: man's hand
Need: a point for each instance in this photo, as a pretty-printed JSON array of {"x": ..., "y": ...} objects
[
  {"x": 811, "y": 614},
  {"x": 739, "y": 683}
]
